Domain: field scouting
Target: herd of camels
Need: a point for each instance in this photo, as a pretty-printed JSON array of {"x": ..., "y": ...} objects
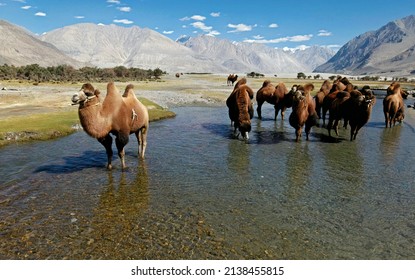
[
  {"x": 341, "y": 99},
  {"x": 122, "y": 115}
]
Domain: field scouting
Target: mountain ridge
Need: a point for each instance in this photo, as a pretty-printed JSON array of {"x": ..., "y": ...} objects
[
  {"x": 22, "y": 48},
  {"x": 388, "y": 50}
]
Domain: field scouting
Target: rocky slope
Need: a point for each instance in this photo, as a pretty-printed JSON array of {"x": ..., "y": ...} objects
[{"x": 390, "y": 50}]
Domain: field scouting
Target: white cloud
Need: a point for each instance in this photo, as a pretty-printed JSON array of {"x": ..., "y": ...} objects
[
  {"x": 334, "y": 46},
  {"x": 200, "y": 25},
  {"x": 324, "y": 33},
  {"x": 124, "y": 9},
  {"x": 258, "y": 37},
  {"x": 215, "y": 14},
  {"x": 300, "y": 38},
  {"x": 123, "y": 21},
  {"x": 194, "y": 17},
  {"x": 240, "y": 27},
  {"x": 40, "y": 14},
  {"x": 26, "y": 7},
  {"x": 213, "y": 33},
  {"x": 273, "y": 25},
  {"x": 113, "y": 1},
  {"x": 168, "y": 32},
  {"x": 79, "y": 17},
  {"x": 198, "y": 18},
  {"x": 297, "y": 38},
  {"x": 301, "y": 48}
]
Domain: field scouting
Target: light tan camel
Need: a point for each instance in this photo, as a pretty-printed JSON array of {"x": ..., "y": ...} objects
[
  {"x": 393, "y": 105},
  {"x": 120, "y": 115}
]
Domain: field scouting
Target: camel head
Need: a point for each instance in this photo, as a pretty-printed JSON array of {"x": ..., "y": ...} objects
[
  {"x": 300, "y": 93},
  {"x": 86, "y": 94}
]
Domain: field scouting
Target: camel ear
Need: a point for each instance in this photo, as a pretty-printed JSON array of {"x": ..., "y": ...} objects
[
  {"x": 97, "y": 92},
  {"x": 111, "y": 89}
]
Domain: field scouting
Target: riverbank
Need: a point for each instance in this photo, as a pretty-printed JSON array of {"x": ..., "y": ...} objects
[{"x": 44, "y": 111}]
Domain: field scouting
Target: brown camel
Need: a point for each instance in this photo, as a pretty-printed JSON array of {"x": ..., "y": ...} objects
[
  {"x": 232, "y": 79},
  {"x": 275, "y": 95},
  {"x": 358, "y": 111},
  {"x": 240, "y": 108},
  {"x": 341, "y": 84},
  {"x": 324, "y": 90},
  {"x": 120, "y": 115},
  {"x": 337, "y": 111},
  {"x": 303, "y": 112},
  {"x": 393, "y": 105}
]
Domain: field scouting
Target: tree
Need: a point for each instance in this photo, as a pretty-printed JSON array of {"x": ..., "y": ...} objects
[{"x": 301, "y": 75}]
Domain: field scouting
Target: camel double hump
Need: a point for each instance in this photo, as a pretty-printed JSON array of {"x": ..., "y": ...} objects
[
  {"x": 279, "y": 96},
  {"x": 119, "y": 115}
]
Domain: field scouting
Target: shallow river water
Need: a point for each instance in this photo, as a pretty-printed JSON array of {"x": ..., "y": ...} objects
[{"x": 201, "y": 194}]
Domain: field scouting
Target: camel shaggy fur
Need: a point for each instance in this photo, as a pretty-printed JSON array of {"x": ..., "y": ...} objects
[
  {"x": 275, "y": 95},
  {"x": 240, "y": 107},
  {"x": 303, "y": 112},
  {"x": 393, "y": 105},
  {"x": 359, "y": 110},
  {"x": 120, "y": 115},
  {"x": 324, "y": 90},
  {"x": 341, "y": 84}
]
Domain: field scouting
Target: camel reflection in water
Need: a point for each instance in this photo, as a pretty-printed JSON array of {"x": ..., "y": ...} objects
[{"x": 115, "y": 222}]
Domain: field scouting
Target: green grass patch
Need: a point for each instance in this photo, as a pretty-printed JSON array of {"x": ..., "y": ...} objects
[{"x": 52, "y": 125}]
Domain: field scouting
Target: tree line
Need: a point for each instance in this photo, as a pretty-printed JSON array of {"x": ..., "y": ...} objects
[{"x": 66, "y": 73}]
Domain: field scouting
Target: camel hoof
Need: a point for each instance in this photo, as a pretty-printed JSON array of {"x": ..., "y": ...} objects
[{"x": 109, "y": 166}]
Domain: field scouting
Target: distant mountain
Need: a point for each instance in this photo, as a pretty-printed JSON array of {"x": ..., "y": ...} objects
[
  {"x": 314, "y": 56},
  {"x": 112, "y": 45},
  {"x": 389, "y": 50},
  {"x": 248, "y": 57},
  {"x": 20, "y": 48}
]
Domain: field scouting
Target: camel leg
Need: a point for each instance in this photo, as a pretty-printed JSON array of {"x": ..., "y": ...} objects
[
  {"x": 276, "y": 109},
  {"x": 142, "y": 141},
  {"x": 282, "y": 113},
  {"x": 258, "y": 109},
  {"x": 336, "y": 126},
  {"x": 307, "y": 131},
  {"x": 330, "y": 126},
  {"x": 120, "y": 141},
  {"x": 298, "y": 134},
  {"x": 107, "y": 143},
  {"x": 324, "y": 116},
  {"x": 386, "y": 119}
]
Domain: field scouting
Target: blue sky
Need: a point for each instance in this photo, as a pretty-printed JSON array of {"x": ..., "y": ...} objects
[{"x": 279, "y": 24}]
